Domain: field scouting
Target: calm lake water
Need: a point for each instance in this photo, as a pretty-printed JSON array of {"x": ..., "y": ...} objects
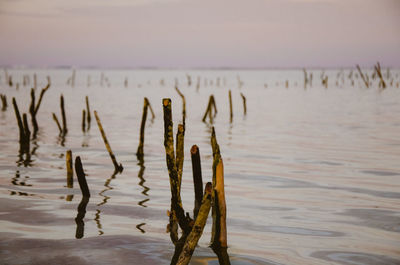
[{"x": 312, "y": 176}]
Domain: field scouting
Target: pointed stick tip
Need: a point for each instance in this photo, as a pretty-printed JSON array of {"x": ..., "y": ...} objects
[
  {"x": 194, "y": 149},
  {"x": 166, "y": 101}
]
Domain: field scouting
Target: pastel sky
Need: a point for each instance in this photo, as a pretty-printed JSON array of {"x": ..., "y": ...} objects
[{"x": 206, "y": 33}]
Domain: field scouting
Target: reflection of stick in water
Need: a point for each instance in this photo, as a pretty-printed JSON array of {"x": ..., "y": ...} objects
[
  {"x": 85, "y": 198},
  {"x": 139, "y": 226},
  {"x": 80, "y": 225},
  {"x": 141, "y": 183}
]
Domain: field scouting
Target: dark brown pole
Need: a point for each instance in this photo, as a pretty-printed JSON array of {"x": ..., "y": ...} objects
[
  {"x": 197, "y": 179},
  {"x": 64, "y": 119},
  {"x": 81, "y": 177}
]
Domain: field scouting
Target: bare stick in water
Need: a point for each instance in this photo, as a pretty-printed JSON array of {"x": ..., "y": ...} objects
[
  {"x": 151, "y": 110},
  {"x": 180, "y": 153},
  {"x": 197, "y": 179},
  {"x": 34, "y": 108},
  {"x": 183, "y": 106},
  {"x": 41, "y": 97},
  {"x": 64, "y": 119},
  {"x": 70, "y": 180},
  {"x": 362, "y": 76},
  {"x": 176, "y": 203},
  {"x": 244, "y": 103},
  {"x": 118, "y": 167},
  {"x": 382, "y": 83},
  {"x": 22, "y": 137},
  {"x": 89, "y": 118},
  {"x": 83, "y": 120},
  {"x": 210, "y": 106},
  {"x": 58, "y": 123},
  {"x": 198, "y": 227},
  {"x": 4, "y": 102},
  {"x": 219, "y": 231},
  {"x": 81, "y": 177},
  {"x": 230, "y": 106},
  {"x": 139, "y": 152},
  {"x": 27, "y": 133}
]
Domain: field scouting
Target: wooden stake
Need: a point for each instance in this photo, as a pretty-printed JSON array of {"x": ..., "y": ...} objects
[
  {"x": 244, "y": 103},
  {"x": 70, "y": 180},
  {"x": 151, "y": 110},
  {"x": 27, "y": 133},
  {"x": 83, "y": 120},
  {"x": 220, "y": 197},
  {"x": 32, "y": 112},
  {"x": 219, "y": 206},
  {"x": 176, "y": 203},
  {"x": 4, "y": 102},
  {"x": 197, "y": 179},
  {"x": 41, "y": 97},
  {"x": 139, "y": 152},
  {"x": 183, "y": 106},
  {"x": 64, "y": 119},
  {"x": 362, "y": 76},
  {"x": 198, "y": 227},
  {"x": 180, "y": 153},
  {"x": 89, "y": 118},
  {"x": 81, "y": 177},
  {"x": 230, "y": 106},
  {"x": 211, "y": 104},
  {"x": 118, "y": 167},
  {"x": 58, "y": 123},
  {"x": 382, "y": 83},
  {"x": 214, "y": 105},
  {"x": 22, "y": 137},
  {"x": 34, "y": 108}
]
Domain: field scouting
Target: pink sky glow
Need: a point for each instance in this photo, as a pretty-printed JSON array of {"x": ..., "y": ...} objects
[{"x": 189, "y": 33}]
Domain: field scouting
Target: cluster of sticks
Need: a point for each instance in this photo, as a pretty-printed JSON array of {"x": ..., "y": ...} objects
[
  {"x": 23, "y": 126},
  {"x": 212, "y": 111},
  {"x": 83, "y": 187},
  {"x": 377, "y": 72},
  {"x": 214, "y": 196}
]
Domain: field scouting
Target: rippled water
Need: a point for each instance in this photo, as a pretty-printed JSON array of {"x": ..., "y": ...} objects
[{"x": 312, "y": 175}]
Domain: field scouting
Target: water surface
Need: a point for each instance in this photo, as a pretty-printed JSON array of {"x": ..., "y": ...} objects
[{"x": 312, "y": 175}]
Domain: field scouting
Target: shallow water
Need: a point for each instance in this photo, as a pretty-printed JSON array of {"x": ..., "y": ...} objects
[{"x": 312, "y": 176}]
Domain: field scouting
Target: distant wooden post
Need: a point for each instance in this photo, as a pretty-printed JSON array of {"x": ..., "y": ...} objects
[
  {"x": 70, "y": 180},
  {"x": 230, "y": 106},
  {"x": 244, "y": 103}
]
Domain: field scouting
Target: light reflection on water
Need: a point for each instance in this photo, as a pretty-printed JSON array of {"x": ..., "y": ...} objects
[{"x": 312, "y": 176}]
